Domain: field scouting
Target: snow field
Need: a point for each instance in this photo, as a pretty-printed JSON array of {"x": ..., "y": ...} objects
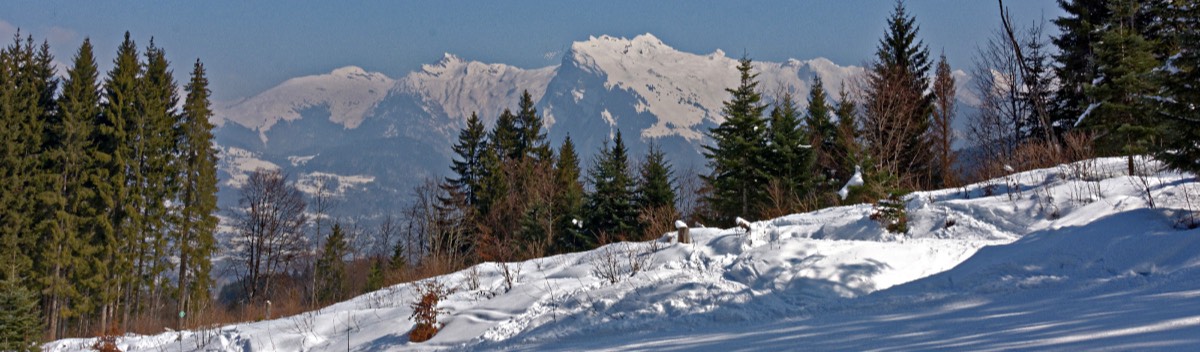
[{"x": 1045, "y": 259}]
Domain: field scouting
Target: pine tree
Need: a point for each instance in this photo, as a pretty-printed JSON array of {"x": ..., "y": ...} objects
[
  {"x": 738, "y": 177},
  {"x": 330, "y": 269},
  {"x": 569, "y": 199},
  {"x": 1181, "y": 111},
  {"x": 64, "y": 250},
  {"x": 610, "y": 207},
  {"x": 1125, "y": 66},
  {"x": 374, "y": 277},
  {"x": 115, "y": 235},
  {"x": 897, "y": 107},
  {"x": 942, "y": 133},
  {"x": 197, "y": 193}
]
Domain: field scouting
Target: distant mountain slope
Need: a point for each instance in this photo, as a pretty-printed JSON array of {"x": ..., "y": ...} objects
[{"x": 648, "y": 90}]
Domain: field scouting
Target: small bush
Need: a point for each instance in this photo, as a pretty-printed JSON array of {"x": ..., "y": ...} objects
[
  {"x": 891, "y": 214},
  {"x": 107, "y": 341},
  {"x": 426, "y": 311}
]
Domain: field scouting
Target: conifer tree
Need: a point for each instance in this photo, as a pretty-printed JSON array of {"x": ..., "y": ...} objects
[
  {"x": 655, "y": 193},
  {"x": 505, "y": 137},
  {"x": 197, "y": 193},
  {"x": 611, "y": 209},
  {"x": 792, "y": 149},
  {"x": 72, "y": 212},
  {"x": 1079, "y": 34},
  {"x": 153, "y": 176},
  {"x": 738, "y": 177},
  {"x": 19, "y": 316},
  {"x": 23, "y": 115},
  {"x": 330, "y": 269},
  {"x": 1181, "y": 112},
  {"x": 569, "y": 199},
  {"x": 847, "y": 150},
  {"x": 468, "y": 161},
  {"x": 1125, "y": 66},
  {"x": 822, "y": 136},
  {"x": 531, "y": 140},
  {"x": 897, "y": 110},
  {"x": 116, "y": 235}
]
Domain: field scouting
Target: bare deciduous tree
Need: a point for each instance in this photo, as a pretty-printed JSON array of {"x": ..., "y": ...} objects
[{"x": 269, "y": 222}]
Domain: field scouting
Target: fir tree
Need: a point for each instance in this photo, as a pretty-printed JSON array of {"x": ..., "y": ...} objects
[
  {"x": 738, "y": 177},
  {"x": 611, "y": 210},
  {"x": 197, "y": 193},
  {"x": 1079, "y": 33},
  {"x": 23, "y": 115},
  {"x": 569, "y": 199}
]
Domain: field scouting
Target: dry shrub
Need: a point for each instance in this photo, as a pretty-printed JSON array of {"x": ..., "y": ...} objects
[
  {"x": 657, "y": 221},
  {"x": 426, "y": 310},
  {"x": 107, "y": 340}
]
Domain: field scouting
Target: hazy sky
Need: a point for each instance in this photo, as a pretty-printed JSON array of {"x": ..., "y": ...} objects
[{"x": 249, "y": 46}]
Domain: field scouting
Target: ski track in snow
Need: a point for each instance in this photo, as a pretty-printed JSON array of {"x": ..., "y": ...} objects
[{"x": 1000, "y": 272}]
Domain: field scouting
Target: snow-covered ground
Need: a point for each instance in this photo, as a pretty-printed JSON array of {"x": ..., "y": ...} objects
[{"x": 1070, "y": 258}]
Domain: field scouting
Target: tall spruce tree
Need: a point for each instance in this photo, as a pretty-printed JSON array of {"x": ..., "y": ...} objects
[
  {"x": 822, "y": 136},
  {"x": 506, "y": 136},
  {"x": 736, "y": 156},
  {"x": 611, "y": 210},
  {"x": 154, "y": 177},
  {"x": 21, "y": 159},
  {"x": 569, "y": 200},
  {"x": 116, "y": 237},
  {"x": 847, "y": 149},
  {"x": 1125, "y": 67},
  {"x": 197, "y": 182},
  {"x": 72, "y": 211},
  {"x": 897, "y": 107}
]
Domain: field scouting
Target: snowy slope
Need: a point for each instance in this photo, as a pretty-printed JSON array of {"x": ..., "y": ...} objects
[
  {"x": 1063, "y": 258},
  {"x": 348, "y": 92}
]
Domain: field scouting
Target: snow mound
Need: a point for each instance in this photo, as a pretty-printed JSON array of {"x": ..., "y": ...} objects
[{"x": 1056, "y": 258}]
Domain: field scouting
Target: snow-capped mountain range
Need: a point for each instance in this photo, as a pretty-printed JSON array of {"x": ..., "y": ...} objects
[{"x": 398, "y": 131}]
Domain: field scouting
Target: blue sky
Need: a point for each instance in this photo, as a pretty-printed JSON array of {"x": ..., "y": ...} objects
[{"x": 249, "y": 46}]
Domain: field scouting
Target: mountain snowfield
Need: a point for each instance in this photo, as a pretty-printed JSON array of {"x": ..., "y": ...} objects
[{"x": 1070, "y": 258}]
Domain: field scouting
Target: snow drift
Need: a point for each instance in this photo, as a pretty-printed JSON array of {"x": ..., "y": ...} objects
[{"x": 1071, "y": 257}]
